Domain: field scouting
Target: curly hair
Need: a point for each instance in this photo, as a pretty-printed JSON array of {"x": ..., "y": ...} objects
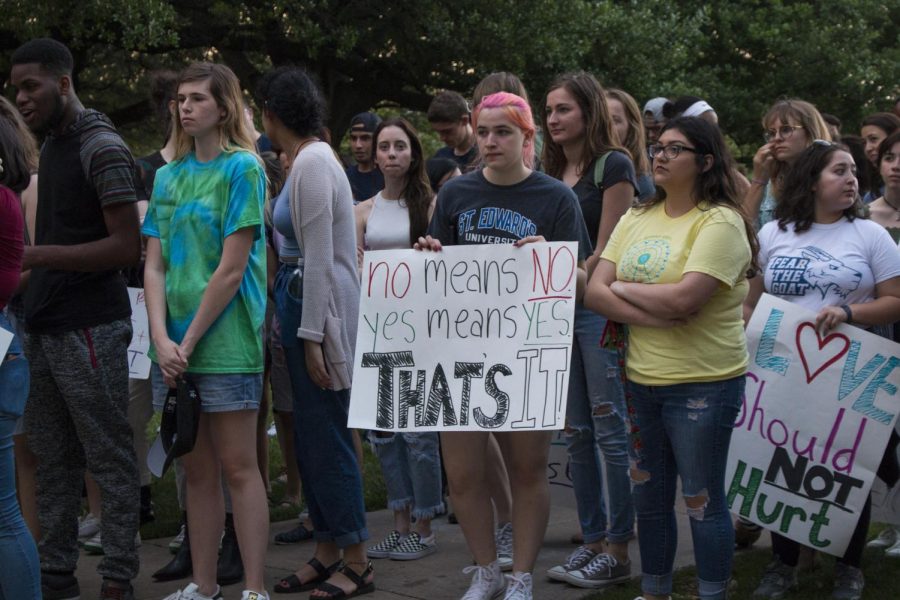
[
  {"x": 798, "y": 199},
  {"x": 417, "y": 192},
  {"x": 805, "y": 114},
  {"x": 53, "y": 56},
  {"x": 291, "y": 95}
]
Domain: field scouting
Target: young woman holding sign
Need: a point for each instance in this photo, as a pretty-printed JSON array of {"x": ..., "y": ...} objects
[
  {"x": 505, "y": 133},
  {"x": 675, "y": 270},
  {"x": 395, "y": 218},
  {"x": 816, "y": 220},
  {"x": 205, "y": 285},
  {"x": 317, "y": 299}
]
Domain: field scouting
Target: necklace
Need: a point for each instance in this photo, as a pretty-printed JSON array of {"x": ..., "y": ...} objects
[{"x": 301, "y": 144}]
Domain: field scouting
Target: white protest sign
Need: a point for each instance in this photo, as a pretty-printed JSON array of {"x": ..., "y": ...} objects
[
  {"x": 138, "y": 361},
  {"x": 472, "y": 338},
  {"x": 6, "y": 338},
  {"x": 816, "y": 418}
]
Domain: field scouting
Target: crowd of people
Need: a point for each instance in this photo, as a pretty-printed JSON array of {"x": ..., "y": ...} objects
[{"x": 249, "y": 246}]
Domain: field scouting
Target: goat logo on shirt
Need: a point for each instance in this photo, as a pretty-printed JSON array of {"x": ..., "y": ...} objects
[{"x": 814, "y": 269}]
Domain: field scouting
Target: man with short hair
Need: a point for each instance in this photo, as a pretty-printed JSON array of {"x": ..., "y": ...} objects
[
  {"x": 654, "y": 119},
  {"x": 449, "y": 116},
  {"x": 78, "y": 317},
  {"x": 365, "y": 178}
]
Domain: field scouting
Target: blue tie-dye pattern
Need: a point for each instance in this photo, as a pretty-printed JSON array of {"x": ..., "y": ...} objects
[{"x": 193, "y": 208}]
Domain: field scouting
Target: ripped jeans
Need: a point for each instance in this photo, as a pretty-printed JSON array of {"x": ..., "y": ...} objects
[
  {"x": 595, "y": 420},
  {"x": 684, "y": 430},
  {"x": 411, "y": 465}
]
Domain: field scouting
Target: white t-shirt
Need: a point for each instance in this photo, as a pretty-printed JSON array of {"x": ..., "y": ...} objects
[{"x": 827, "y": 265}]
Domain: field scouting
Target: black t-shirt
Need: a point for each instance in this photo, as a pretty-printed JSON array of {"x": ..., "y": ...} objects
[
  {"x": 364, "y": 185},
  {"x": 82, "y": 171},
  {"x": 465, "y": 161},
  {"x": 147, "y": 168},
  {"x": 472, "y": 210},
  {"x": 618, "y": 168}
]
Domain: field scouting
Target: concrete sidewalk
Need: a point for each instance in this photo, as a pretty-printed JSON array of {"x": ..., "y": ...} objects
[{"x": 436, "y": 577}]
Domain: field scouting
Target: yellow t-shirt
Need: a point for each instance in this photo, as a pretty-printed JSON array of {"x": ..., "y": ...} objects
[{"x": 648, "y": 246}]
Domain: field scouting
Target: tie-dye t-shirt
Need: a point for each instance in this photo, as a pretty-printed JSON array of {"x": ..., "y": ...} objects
[{"x": 194, "y": 207}]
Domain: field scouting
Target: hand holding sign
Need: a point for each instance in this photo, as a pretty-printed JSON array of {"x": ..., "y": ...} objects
[
  {"x": 473, "y": 338},
  {"x": 816, "y": 418}
]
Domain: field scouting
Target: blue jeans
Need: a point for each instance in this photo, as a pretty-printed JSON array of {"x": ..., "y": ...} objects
[
  {"x": 595, "y": 419},
  {"x": 683, "y": 430},
  {"x": 329, "y": 472},
  {"x": 20, "y": 575},
  {"x": 411, "y": 465}
]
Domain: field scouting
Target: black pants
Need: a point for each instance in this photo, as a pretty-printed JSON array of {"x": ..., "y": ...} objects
[{"x": 788, "y": 550}]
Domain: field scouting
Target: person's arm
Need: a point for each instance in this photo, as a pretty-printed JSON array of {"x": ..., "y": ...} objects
[
  {"x": 361, "y": 214},
  {"x": 121, "y": 248},
  {"x": 169, "y": 356},
  {"x": 883, "y": 310},
  {"x": 222, "y": 286},
  {"x": 669, "y": 300},
  {"x": 601, "y": 299},
  {"x": 757, "y": 287},
  {"x": 616, "y": 202},
  {"x": 763, "y": 163}
]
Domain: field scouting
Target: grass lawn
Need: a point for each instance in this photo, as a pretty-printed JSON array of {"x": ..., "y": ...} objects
[
  {"x": 882, "y": 578},
  {"x": 168, "y": 515}
]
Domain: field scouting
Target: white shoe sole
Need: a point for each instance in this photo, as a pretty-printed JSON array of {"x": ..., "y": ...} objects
[{"x": 593, "y": 583}]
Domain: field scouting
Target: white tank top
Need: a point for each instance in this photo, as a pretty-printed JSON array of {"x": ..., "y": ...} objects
[{"x": 388, "y": 225}]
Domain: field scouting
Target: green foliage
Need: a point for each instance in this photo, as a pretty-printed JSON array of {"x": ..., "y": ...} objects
[{"x": 739, "y": 55}]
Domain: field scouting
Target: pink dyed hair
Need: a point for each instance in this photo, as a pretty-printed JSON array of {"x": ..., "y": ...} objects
[{"x": 517, "y": 110}]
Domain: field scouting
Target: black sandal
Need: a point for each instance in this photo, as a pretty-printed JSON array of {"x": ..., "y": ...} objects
[
  {"x": 292, "y": 584},
  {"x": 336, "y": 593}
]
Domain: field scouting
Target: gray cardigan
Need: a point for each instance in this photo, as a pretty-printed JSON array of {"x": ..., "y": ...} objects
[{"x": 322, "y": 214}]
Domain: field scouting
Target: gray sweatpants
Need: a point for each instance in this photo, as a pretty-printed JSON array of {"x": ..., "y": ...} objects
[{"x": 76, "y": 417}]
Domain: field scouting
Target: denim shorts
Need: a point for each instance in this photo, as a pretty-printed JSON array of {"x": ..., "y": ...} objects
[{"x": 223, "y": 392}]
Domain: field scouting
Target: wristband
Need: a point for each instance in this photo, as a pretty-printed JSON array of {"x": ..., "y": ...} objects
[
  {"x": 847, "y": 312},
  {"x": 762, "y": 182}
]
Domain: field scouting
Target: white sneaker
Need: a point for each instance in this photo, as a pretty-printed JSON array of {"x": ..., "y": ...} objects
[
  {"x": 177, "y": 541},
  {"x": 487, "y": 582},
  {"x": 519, "y": 586},
  {"x": 95, "y": 544},
  {"x": 89, "y": 526},
  {"x": 503, "y": 539},
  {"x": 249, "y": 595},
  {"x": 894, "y": 551},
  {"x": 887, "y": 538},
  {"x": 191, "y": 592}
]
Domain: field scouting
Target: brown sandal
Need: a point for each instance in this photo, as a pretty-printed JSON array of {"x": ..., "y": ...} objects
[
  {"x": 292, "y": 584},
  {"x": 336, "y": 593}
]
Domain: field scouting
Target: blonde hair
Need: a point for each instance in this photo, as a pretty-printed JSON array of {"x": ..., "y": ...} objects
[{"x": 226, "y": 91}]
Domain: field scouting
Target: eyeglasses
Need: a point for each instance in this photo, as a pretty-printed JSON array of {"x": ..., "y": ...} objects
[
  {"x": 671, "y": 151},
  {"x": 785, "y": 131}
]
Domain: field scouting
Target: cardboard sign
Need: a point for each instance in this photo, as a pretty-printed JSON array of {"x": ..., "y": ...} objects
[
  {"x": 816, "y": 418},
  {"x": 472, "y": 338},
  {"x": 138, "y": 361}
]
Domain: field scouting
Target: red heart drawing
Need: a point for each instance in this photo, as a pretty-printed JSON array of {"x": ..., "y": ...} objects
[{"x": 840, "y": 339}]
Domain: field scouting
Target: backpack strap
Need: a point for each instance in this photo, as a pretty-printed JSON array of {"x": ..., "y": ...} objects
[{"x": 599, "y": 167}]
